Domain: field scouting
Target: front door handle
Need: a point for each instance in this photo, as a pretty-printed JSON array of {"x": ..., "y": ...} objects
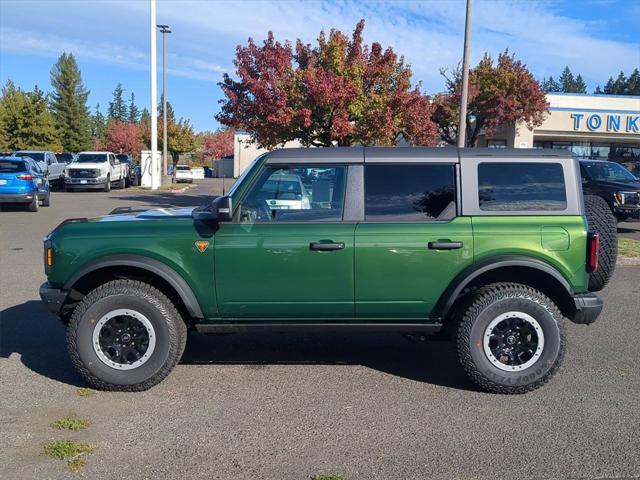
[
  {"x": 326, "y": 246},
  {"x": 445, "y": 245}
]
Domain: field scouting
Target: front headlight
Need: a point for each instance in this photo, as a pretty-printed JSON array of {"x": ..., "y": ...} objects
[{"x": 619, "y": 198}]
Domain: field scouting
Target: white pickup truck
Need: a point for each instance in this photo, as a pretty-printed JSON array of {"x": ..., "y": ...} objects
[
  {"x": 47, "y": 162},
  {"x": 95, "y": 170}
]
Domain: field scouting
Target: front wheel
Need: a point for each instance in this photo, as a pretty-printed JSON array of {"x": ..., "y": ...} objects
[
  {"x": 511, "y": 338},
  {"x": 107, "y": 185},
  {"x": 125, "y": 335}
]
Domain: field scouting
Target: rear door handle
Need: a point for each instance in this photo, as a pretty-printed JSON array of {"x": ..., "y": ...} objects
[
  {"x": 326, "y": 246},
  {"x": 445, "y": 245}
]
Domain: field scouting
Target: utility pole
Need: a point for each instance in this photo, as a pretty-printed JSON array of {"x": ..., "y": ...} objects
[
  {"x": 462, "y": 121},
  {"x": 164, "y": 29},
  {"x": 155, "y": 170}
]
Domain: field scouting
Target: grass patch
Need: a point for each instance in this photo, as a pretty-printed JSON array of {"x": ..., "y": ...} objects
[
  {"x": 67, "y": 449},
  {"x": 86, "y": 392},
  {"x": 627, "y": 247},
  {"x": 76, "y": 464},
  {"x": 329, "y": 477},
  {"x": 71, "y": 422}
]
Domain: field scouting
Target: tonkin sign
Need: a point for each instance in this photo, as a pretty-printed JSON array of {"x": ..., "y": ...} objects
[{"x": 607, "y": 122}]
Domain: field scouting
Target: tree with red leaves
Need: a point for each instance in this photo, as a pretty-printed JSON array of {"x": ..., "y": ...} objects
[
  {"x": 124, "y": 137},
  {"x": 339, "y": 92},
  {"x": 498, "y": 94},
  {"x": 218, "y": 144}
]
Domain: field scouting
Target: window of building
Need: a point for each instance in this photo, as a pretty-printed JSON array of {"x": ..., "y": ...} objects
[
  {"x": 296, "y": 194},
  {"x": 409, "y": 193},
  {"x": 521, "y": 186}
]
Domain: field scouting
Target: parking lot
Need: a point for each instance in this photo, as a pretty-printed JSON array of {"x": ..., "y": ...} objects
[{"x": 294, "y": 405}]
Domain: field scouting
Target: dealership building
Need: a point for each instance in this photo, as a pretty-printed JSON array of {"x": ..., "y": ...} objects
[{"x": 604, "y": 127}]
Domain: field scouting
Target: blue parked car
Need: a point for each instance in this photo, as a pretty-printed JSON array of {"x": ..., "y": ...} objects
[{"x": 22, "y": 181}]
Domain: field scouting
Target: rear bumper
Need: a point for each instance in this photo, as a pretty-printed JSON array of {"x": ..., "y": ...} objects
[
  {"x": 17, "y": 197},
  {"x": 588, "y": 308},
  {"x": 53, "y": 298}
]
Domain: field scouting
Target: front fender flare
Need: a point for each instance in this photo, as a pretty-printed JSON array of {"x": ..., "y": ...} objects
[{"x": 145, "y": 263}]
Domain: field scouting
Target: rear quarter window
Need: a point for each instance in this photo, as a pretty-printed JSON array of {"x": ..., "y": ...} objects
[{"x": 521, "y": 186}]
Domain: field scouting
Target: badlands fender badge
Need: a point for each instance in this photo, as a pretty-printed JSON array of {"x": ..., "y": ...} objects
[{"x": 202, "y": 245}]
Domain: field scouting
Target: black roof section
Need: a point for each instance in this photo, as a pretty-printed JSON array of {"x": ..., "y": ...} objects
[{"x": 399, "y": 154}]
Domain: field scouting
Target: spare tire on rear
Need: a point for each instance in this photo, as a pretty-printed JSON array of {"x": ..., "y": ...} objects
[{"x": 602, "y": 221}]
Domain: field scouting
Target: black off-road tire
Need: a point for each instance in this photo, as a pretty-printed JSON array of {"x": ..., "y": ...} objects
[
  {"x": 602, "y": 221},
  {"x": 169, "y": 328},
  {"x": 487, "y": 304}
]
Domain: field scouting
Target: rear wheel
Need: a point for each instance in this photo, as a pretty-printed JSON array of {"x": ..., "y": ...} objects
[
  {"x": 602, "y": 221},
  {"x": 511, "y": 338},
  {"x": 35, "y": 203},
  {"x": 47, "y": 200},
  {"x": 125, "y": 335}
]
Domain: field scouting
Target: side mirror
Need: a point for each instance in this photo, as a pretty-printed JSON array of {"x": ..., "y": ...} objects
[{"x": 220, "y": 210}]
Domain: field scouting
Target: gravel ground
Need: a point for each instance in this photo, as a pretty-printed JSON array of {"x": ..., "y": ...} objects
[{"x": 289, "y": 406}]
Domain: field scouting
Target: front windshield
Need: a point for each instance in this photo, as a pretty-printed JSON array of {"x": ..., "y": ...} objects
[
  {"x": 64, "y": 157},
  {"x": 37, "y": 156},
  {"x": 123, "y": 158},
  {"x": 92, "y": 158},
  {"x": 608, "y": 172}
]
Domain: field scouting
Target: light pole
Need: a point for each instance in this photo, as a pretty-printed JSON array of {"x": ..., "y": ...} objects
[
  {"x": 155, "y": 181},
  {"x": 462, "y": 121},
  {"x": 164, "y": 29}
]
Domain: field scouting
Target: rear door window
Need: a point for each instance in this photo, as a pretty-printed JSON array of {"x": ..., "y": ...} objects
[
  {"x": 521, "y": 186},
  {"x": 409, "y": 193}
]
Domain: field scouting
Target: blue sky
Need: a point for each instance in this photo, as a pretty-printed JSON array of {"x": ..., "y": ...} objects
[{"x": 110, "y": 39}]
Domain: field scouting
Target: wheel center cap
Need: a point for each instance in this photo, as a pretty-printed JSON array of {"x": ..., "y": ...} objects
[
  {"x": 126, "y": 338},
  {"x": 511, "y": 339}
]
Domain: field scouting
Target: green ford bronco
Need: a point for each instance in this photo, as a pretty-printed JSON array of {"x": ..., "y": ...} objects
[{"x": 494, "y": 247}]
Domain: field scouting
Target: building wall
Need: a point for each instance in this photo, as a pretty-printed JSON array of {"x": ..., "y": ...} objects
[{"x": 245, "y": 151}]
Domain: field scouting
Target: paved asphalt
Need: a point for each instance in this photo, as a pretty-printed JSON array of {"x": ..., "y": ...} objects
[{"x": 290, "y": 406}]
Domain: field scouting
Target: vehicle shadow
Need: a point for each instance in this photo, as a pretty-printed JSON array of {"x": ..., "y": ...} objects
[
  {"x": 163, "y": 200},
  {"x": 412, "y": 357},
  {"x": 30, "y": 331}
]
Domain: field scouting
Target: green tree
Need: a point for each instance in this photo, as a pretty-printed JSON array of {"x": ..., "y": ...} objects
[
  {"x": 145, "y": 127},
  {"x": 69, "y": 104},
  {"x": 633, "y": 83},
  {"x": 117, "y": 108},
  {"x": 25, "y": 120},
  {"x": 134, "y": 111},
  {"x": 550, "y": 85},
  {"x": 579, "y": 86},
  {"x": 180, "y": 139},
  {"x": 98, "y": 126}
]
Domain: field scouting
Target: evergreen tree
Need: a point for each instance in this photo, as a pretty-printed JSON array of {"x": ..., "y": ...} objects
[
  {"x": 145, "y": 127},
  {"x": 12, "y": 102},
  {"x": 620, "y": 85},
  {"x": 608, "y": 87},
  {"x": 117, "y": 108},
  {"x": 633, "y": 83},
  {"x": 134, "y": 112},
  {"x": 69, "y": 104},
  {"x": 38, "y": 131},
  {"x": 598, "y": 91},
  {"x": 550, "y": 85},
  {"x": 566, "y": 80},
  {"x": 171, "y": 117},
  {"x": 579, "y": 86},
  {"x": 98, "y": 125}
]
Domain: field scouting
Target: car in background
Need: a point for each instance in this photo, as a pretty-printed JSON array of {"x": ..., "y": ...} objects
[
  {"x": 95, "y": 170},
  {"x": 22, "y": 181},
  {"x": 183, "y": 174},
  {"x": 615, "y": 184},
  {"x": 286, "y": 192},
  {"x": 131, "y": 178},
  {"x": 66, "y": 157},
  {"x": 197, "y": 173},
  {"x": 48, "y": 162}
]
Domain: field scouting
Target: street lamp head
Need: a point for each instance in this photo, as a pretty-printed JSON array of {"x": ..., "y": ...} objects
[{"x": 164, "y": 28}]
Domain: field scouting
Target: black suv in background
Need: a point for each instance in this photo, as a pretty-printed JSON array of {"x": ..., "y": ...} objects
[{"x": 614, "y": 183}]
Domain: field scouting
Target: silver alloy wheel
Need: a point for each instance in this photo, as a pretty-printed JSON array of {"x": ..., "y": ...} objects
[
  {"x": 124, "y": 339},
  {"x": 513, "y": 341}
]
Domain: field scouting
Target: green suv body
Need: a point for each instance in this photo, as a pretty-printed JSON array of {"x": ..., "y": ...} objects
[{"x": 489, "y": 245}]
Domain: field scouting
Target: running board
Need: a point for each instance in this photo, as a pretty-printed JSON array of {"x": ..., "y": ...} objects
[{"x": 316, "y": 327}]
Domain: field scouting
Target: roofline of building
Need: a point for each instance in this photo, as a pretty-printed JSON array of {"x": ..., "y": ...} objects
[{"x": 599, "y": 95}]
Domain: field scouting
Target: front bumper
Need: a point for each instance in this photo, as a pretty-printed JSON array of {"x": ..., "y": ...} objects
[
  {"x": 85, "y": 182},
  {"x": 26, "y": 197},
  {"x": 53, "y": 298},
  {"x": 632, "y": 211},
  {"x": 588, "y": 308}
]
